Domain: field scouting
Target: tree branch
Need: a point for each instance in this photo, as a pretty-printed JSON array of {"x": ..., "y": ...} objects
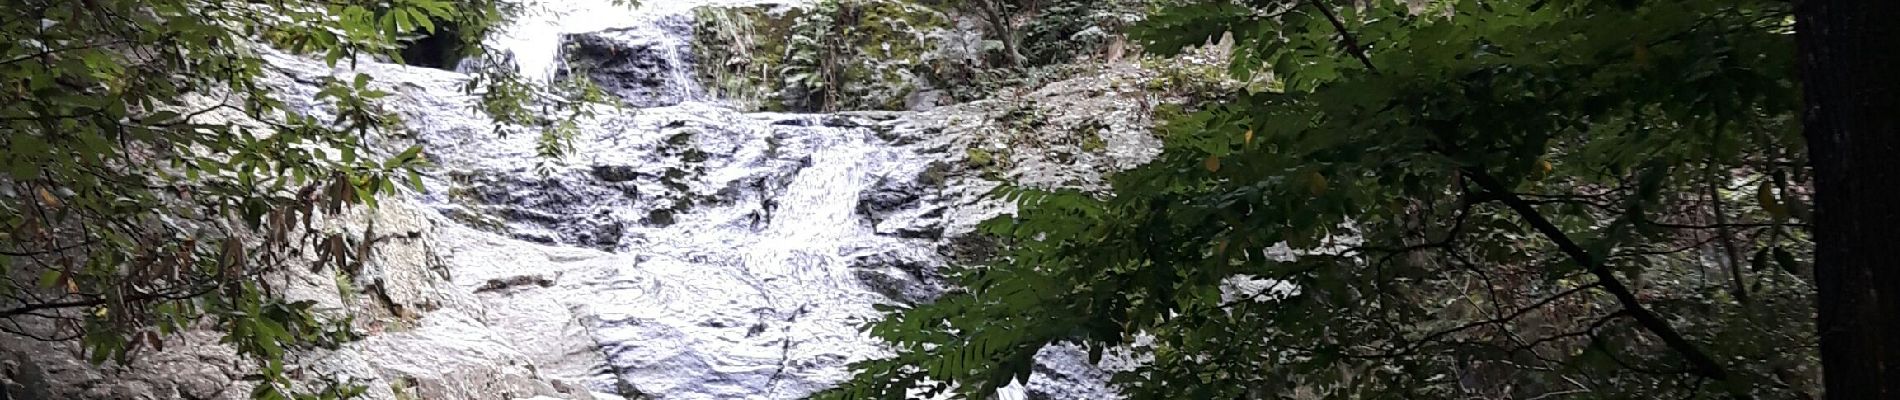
[
  {"x": 35, "y": 253},
  {"x": 1345, "y": 37},
  {"x": 1702, "y": 364},
  {"x": 1421, "y": 342},
  {"x": 29, "y": 309}
]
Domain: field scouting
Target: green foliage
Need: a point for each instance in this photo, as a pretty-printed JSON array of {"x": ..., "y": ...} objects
[
  {"x": 979, "y": 157},
  {"x": 742, "y": 52},
  {"x": 1002, "y": 22},
  {"x": 518, "y": 104},
  {"x": 1200, "y": 75},
  {"x": 154, "y": 178},
  {"x": 402, "y": 389},
  {"x": 870, "y": 54},
  {"x": 1453, "y": 200},
  {"x": 833, "y": 55},
  {"x": 1067, "y": 30},
  {"x": 1090, "y": 133}
]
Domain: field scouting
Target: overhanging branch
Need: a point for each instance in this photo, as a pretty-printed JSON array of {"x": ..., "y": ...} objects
[
  {"x": 1700, "y": 361},
  {"x": 1345, "y": 36}
]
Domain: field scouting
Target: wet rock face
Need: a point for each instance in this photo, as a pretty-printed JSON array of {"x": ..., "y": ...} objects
[
  {"x": 571, "y": 208},
  {"x": 1089, "y": 126},
  {"x": 905, "y": 275},
  {"x": 637, "y": 179},
  {"x": 49, "y": 371},
  {"x": 904, "y": 208},
  {"x": 889, "y": 197},
  {"x": 616, "y": 173},
  {"x": 647, "y": 66},
  {"x": 734, "y": 275},
  {"x": 422, "y": 341}
]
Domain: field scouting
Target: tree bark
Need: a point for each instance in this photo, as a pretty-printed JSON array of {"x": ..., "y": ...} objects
[
  {"x": 1850, "y": 66},
  {"x": 997, "y": 15}
]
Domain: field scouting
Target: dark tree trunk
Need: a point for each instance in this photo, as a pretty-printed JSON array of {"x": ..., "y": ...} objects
[
  {"x": 999, "y": 17},
  {"x": 1850, "y": 63}
]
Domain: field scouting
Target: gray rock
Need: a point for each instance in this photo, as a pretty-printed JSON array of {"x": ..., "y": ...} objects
[
  {"x": 648, "y": 66},
  {"x": 195, "y": 368},
  {"x": 924, "y": 100},
  {"x": 419, "y": 323},
  {"x": 889, "y": 196},
  {"x": 616, "y": 173},
  {"x": 1063, "y": 371},
  {"x": 906, "y": 274}
]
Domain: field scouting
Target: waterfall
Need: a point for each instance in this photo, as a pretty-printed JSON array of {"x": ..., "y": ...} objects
[
  {"x": 649, "y": 65},
  {"x": 739, "y": 255},
  {"x": 534, "y": 40}
]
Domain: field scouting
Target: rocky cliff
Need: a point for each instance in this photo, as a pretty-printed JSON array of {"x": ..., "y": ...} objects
[{"x": 687, "y": 250}]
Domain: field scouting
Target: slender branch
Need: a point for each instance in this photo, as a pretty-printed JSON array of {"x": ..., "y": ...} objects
[
  {"x": 1345, "y": 36},
  {"x": 1600, "y": 344},
  {"x": 34, "y": 253},
  {"x": 1727, "y": 241},
  {"x": 1420, "y": 343},
  {"x": 1587, "y": 331},
  {"x": 13, "y": 328},
  {"x": 31, "y": 308},
  {"x": 1739, "y": 225},
  {"x": 1703, "y": 364},
  {"x": 1678, "y": 250},
  {"x": 48, "y": 52}
]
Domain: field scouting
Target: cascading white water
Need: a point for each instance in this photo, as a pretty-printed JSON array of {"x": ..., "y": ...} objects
[
  {"x": 739, "y": 240},
  {"x": 534, "y": 40},
  {"x": 760, "y": 300}
]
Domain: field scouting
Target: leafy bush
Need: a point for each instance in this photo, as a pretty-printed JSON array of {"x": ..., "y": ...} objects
[
  {"x": 834, "y": 55},
  {"x": 1502, "y": 200},
  {"x": 1068, "y": 30}
]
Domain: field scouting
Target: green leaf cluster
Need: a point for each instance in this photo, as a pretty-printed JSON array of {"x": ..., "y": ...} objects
[
  {"x": 1453, "y": 199},
  {"x": 831, "y": 55}
]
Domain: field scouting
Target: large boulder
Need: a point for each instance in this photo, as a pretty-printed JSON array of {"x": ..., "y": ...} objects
[{"x": 195, "y": 367}]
